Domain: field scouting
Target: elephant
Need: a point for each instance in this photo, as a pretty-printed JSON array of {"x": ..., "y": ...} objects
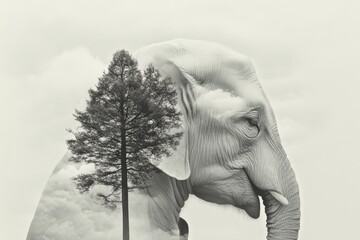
[{"x": 230, "y": 152}]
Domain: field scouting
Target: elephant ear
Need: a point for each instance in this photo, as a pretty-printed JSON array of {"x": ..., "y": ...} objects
[
  {"x": 177, "y": 165},
  {"x": 160, "y": 55}
]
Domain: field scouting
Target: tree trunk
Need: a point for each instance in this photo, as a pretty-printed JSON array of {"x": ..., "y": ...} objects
[
  {"x": 124, "y": 192},
  {"x": 124, "y": 182}
]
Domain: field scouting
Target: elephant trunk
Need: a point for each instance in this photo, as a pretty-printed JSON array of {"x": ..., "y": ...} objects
[{"x": 283, "y": 221}]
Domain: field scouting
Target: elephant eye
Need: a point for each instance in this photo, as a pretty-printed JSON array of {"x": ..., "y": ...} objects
[
  {"x": 252, "y": 122},
  {"x": 252, "y": 127}
]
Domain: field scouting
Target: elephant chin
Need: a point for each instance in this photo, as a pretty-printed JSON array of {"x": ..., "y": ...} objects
[
  {"x": 253, "y": 210},
  {"x": 252, "y": 203}
]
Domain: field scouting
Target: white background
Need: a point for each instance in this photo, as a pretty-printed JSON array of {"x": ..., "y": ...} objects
[{"x": 306, "y": 54}]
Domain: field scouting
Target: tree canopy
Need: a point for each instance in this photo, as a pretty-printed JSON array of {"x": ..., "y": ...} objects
[{"x": 130, "y": 120}]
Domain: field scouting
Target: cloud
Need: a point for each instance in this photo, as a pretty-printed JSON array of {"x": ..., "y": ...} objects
[
  {"x": 223, "y": 103},
  {"x": 63, "y": 213}
]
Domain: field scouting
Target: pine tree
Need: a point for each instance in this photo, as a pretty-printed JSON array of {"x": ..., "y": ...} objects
[{"x": 130, "y": 120}]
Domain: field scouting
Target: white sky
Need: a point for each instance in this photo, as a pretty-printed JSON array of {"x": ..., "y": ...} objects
[{"x": 306, "y": 54}]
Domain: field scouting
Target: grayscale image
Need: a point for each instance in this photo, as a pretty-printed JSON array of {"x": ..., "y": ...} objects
[{"x": 159, "y": 120}]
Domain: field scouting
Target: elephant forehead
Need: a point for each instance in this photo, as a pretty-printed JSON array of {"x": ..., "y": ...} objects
[
  {"x": 221, "y": 68},
  {"x": 210, "y": 65},
  {"x": 204, "y": 60}
]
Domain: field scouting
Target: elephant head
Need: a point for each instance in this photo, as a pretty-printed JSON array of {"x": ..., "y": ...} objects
[{"x": 231, "y": 151}]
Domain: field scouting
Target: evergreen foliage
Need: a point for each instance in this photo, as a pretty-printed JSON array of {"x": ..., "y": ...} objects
[{"x": 130, "y": 120}]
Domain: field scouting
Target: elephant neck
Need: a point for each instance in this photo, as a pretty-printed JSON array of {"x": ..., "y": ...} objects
[{"x": 167, "y": 196}]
